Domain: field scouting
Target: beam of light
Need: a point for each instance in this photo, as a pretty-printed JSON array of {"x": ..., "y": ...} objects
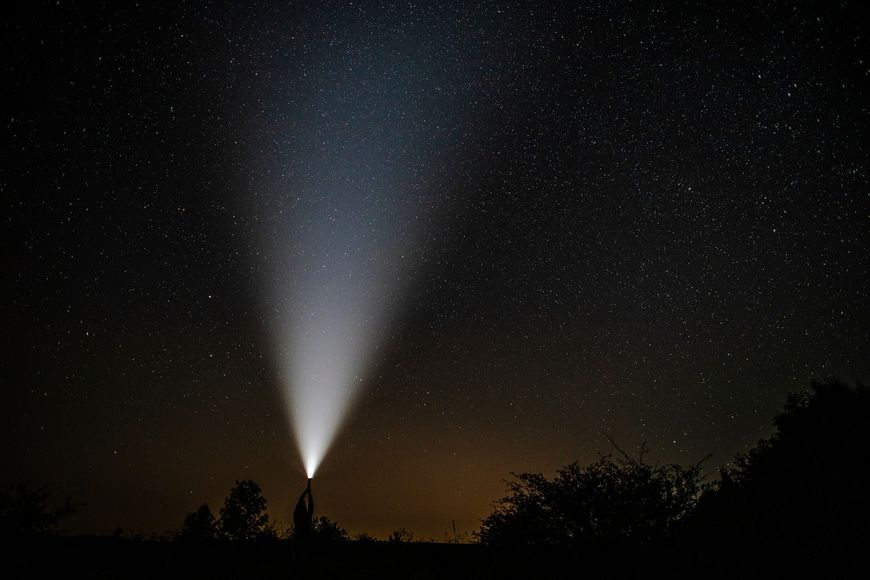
[
  {"x": 339, "y": 228},
  {"x": 356, "y": 143},
  {"x": 334, "y": 317}
]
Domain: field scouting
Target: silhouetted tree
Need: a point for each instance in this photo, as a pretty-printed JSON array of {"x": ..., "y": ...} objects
[
  {"x": 803, "y": 492},
  {"x": 243, "y": 515},
  {"x": 25, "y": 512},
  {"x": 199, "y": 525},
  {"x": 617, "y": 498},
  {"x": 400, "y": 536}
]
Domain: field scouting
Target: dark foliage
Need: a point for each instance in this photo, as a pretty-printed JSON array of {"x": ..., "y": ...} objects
[
  {"x": 326, "y": 530},
  {"x": 617, "y": 498},
  {"x": 401, "y": 535},
  {"x": 803, "y": 492},
  {"x": 797, "y": 502},
  {"x": 243, "y": 515},
  {"x": 25, "y": 512},
  {"x": 199, "y": 525}
]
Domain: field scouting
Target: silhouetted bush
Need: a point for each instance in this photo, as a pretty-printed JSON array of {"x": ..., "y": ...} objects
[
  {"x": 199, "y": 525},
  {"x": 616, "y": 499},
  {"x": 25, "y": 512},
  {"x": 399, "y": 536},
  {"x": 326, "y": 530},
  {"x": 803, "y": 492}
]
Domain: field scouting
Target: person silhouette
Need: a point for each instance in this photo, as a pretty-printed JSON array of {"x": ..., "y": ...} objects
[
  {"x": 303, "y": 516},
  {"x": 303, "y": 519}
]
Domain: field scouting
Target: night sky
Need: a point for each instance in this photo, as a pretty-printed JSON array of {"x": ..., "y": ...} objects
[{"x": 627, "y": 219}]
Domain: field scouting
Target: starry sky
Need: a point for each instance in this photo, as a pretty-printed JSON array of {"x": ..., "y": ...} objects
[{"x": 648, "y": 220}]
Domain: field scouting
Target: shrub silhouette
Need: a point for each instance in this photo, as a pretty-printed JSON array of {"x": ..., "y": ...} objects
[
  {"x": 25, "y": 512},
  {"x": 400, "y": 536},
  {"x": 616, "y": 499},
  {"x": 803, "y": 491},
  {"x": 199, "y": 525},
  {"x": 326, "y": 530}
]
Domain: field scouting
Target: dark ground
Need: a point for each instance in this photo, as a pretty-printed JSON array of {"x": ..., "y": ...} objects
[
  {"x": 110, "y": 557},
  {"x": 88, "y": 557}
]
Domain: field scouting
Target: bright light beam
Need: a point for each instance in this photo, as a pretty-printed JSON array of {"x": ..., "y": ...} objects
[
  {"x": 337, "y": 314},
  {"x": 337, "y": 237},
  {"x": 353, "y": 147}
]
